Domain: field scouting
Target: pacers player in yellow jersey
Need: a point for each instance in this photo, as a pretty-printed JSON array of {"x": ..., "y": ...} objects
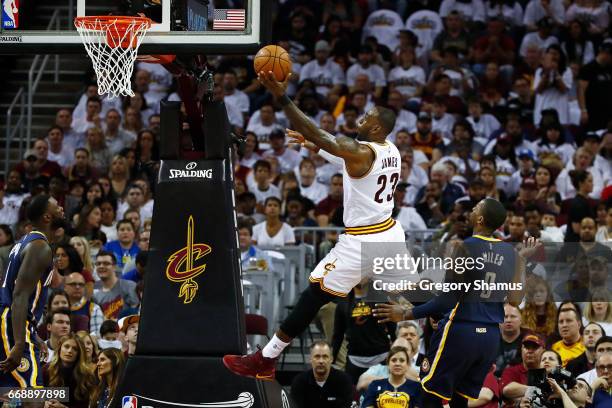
[{"x": 371, "y": 171}]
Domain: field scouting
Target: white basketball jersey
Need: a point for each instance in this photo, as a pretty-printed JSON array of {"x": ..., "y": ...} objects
[{"x": 368, "y": 199}]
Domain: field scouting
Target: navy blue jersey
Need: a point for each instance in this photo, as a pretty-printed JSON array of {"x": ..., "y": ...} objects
[
  {"x": 381, "y": 394},
  {"x": 495, "y": 262},
  {"x": 484, "y": 303},
  {"x": 37, "y": 300}
]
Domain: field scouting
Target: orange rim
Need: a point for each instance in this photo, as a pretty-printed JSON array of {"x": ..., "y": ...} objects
[{"x": 100, "y": 22}]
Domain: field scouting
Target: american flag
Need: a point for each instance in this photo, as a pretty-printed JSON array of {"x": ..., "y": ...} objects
[{"x": 229, "y": 19}]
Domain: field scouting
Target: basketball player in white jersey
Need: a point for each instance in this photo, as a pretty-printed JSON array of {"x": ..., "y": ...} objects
[{"x": 371, "y": 169}]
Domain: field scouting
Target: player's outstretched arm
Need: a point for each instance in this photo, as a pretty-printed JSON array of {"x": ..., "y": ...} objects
[
  {"x": 357, "y": 157},
  {"x": 36, "y": 258}
]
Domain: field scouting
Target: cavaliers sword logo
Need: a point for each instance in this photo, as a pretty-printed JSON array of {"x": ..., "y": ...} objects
[{"x": 181, "y": 268}]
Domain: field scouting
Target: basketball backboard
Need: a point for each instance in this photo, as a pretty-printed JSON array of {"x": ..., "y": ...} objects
[{"x": 180, "y": 26}]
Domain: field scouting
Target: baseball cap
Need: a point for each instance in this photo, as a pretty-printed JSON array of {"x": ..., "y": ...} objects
[
  {"x": 526, "y": 153},
  {"x": 504, "y": 138},
  {"x": 424, "y": 116},
  {"x": 534, "y": 339},
  {"x": 125, "y": 322},
  {"x": 529, "y": 184},
  {"x": 29, "y": 153},
  {"x": 322, "y": 45}
]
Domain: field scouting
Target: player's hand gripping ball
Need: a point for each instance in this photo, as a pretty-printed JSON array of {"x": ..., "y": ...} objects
[{"x": 275, "y": 59}]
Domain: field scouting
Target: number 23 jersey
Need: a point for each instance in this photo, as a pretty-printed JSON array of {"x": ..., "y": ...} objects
[{"x": 368, "y": 199}]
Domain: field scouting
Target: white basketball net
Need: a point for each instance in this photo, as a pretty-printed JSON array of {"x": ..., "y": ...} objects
[{"x": 112, "y": 44}]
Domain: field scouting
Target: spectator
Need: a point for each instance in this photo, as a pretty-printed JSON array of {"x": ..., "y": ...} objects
[
  {"x": 58, "y": 325},
  {"x": 570, "y": 346},
  {"x": 309, "y": 186},
  {"x": 135, "y": 200},
  {"x": 80, "y": 304},
  {"x": 234, "y": 96},
  {"x": 552, "y": 83},
  {"x": 91, "y": 118},
  {"x": 72, "y": 139},
  {"x": 144, "y": 239},
  {"x": 511, "y": 338},
  {"x": 536, "y": 10},
  {"x": 263, "y": 189},
  {"x": 109, "y": 335},
  {"x": 108, "y": 223},
  {"x": 552, "y": 142},
  {"x": 594, "y": 85},
  {"x": 404, "y": 118},
  {"x": 58, "y": 151},
  {"x": 273, "y": 231},
  {"x": 262, "y": 124},
  {"x": 323, "y": 385},
  {"x": 288, "y": 158},
  {"x": 70, "y": 369},
  {"x": 67, "y": 261},
  {"x": 326, "y": 208},
  {"x": 88, "y": 224},
  {"x": 132, "y": 123},
  {"x": 327, "y": 75},
  {"x": 454, "y": 35},
  {"x": 114, "y": 295},
  {"x": 99, "y": 153},
  {"x": 82, "y": 170},
  {"x": 539, "y": 40},
  {"x": 119, "y": 175},
  {"x": 484, "y": 124},
  {"x": 602, "y": 388},
  {"x": 129, "y": 327},
  {"x": 397, "y": 387},
  {"x": 602, "y": 346},
  {"x": 594, "y": 14},
  {"x": 109, "y": 369},
  {"x": 407, "y": 216},
  {"x": 251, "y": 257},
  {"x": 550, "y": 360},
  {"x": 513, "y": 382},
  {"x": 450, "y": 192},
  {"x": 586, "y": 361},
  {"x": 426, "y": 141},
  {"x": 539, "y": 313},
  {"x": 251, "y": 148},
  {"x": 125, "y": 247},
  {"x": 9, "y": 211},
  {"x": 366, "y": 66},
  {"x": 139, "y": 103},
  {"x": 407, "y": 77},
  {"x": 598, "y": 309},
  {"x": 91, "y": 349},
  {"x": 576, "y": 45},
  {"x": 494, "y": 45},
  {"x": 442, "y": 122}
]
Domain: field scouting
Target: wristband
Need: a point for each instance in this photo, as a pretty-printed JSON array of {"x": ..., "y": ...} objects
[{"x": 284, "y": 100}]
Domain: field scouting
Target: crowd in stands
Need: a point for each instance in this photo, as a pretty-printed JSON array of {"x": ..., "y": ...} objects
[{"x": 505, "y": 99}]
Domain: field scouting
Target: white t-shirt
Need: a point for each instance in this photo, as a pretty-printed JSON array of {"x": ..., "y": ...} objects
[
  {"x": 234, "y": 114},
  {"x": 283, "y": 237},
  {"x": 161, "y": 78},
  {"x": 552, "y": 98},
  {"x": 287, "y": 161},
  {"x": 534, "y": 39},
  {"x": 64, "y": 158},
  {"x": 426, "y": 24},
  {"x": 565, "y": 150},
  {"x": 315, "y": 192},
  {"x": 534, "y": 12},
  {"x": 486, "y": 125},
  {"x": 238, "y": 98},
  {"x": 473, "y": 11},
  {"x": 384, "y": 25},
  {"x": 444, "y": 125},
  {"x": 263, "y": 132},
  {"x": 410, "y": 219},
  {"x": 261, "y": 196},
  {"x": 406, "y": 81},
  {"x": 374, "y": 72},
  {"x": 323, "y": 76}
]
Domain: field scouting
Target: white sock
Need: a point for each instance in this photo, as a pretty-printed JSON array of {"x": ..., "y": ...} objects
[{"x": 274, "y": 347}]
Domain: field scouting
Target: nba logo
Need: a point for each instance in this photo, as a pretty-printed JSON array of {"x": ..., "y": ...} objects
[
  {"x": 10, "y": 14},
  {"x": 129, "y": 402}
]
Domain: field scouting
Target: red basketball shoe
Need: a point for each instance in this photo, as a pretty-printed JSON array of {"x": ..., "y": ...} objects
[{"x": 253, "y": 365}]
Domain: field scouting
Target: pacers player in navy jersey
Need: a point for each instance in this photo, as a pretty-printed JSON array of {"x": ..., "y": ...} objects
[
  {"x": 464, "y": 347},
  {"x": 23, "y": 296},
  {"x": 370, "y": 172}
]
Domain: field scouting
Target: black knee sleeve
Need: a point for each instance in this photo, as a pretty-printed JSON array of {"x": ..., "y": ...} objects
[{"x": 307, "y": 307}]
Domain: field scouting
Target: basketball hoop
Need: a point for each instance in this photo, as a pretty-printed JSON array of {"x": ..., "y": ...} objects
[{"x": 112, "y": 44}]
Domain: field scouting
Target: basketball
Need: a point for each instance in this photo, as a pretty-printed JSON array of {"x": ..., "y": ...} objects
[{"x": 273, "y": 58}]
